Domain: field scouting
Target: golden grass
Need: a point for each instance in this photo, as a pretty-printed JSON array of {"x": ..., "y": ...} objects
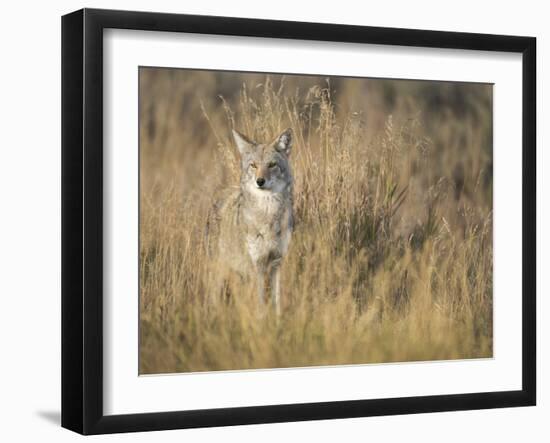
[{"x": 391, "y": 257}]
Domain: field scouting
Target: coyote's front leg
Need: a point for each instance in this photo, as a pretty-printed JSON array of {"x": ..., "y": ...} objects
[
  {"x": 261, "y": 277},
  {"x": 275, "y": 287}
]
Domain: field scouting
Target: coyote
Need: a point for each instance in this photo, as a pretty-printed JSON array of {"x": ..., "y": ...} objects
[{"x": 249, "y": 227}]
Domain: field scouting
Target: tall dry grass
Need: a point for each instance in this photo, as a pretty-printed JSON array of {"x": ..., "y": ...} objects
[{"x": 391, "y": 257}]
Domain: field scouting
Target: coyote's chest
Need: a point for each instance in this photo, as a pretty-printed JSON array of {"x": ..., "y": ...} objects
[{"x": 269, "y": 228}]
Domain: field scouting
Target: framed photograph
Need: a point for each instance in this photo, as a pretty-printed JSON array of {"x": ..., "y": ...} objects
[{"x": 269, "y": 221}]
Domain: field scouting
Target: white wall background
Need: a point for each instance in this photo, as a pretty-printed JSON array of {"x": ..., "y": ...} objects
[{"x": 30, "y": 219}]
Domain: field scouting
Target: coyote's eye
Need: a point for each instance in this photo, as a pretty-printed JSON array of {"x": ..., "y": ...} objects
[
  {"x": 271, "y": 165},
  {"x": 253, "y": 165}
]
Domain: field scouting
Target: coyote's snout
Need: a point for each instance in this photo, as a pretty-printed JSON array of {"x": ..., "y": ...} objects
[{"x": 249, "y": 228}]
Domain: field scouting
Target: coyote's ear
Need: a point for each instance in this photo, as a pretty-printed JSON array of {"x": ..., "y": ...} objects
[
  {"x": 243, "y": 143},
  {"x": 284, "y": 142}
]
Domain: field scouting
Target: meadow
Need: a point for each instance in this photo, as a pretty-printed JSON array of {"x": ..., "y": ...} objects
[{"x": 391, "y": 258}]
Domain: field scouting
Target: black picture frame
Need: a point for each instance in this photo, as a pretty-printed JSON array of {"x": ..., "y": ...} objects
[{"x": 82, "y": 220}]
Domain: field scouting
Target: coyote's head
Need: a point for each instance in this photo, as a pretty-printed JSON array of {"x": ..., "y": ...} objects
[{"x": 265, "y": 166}]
